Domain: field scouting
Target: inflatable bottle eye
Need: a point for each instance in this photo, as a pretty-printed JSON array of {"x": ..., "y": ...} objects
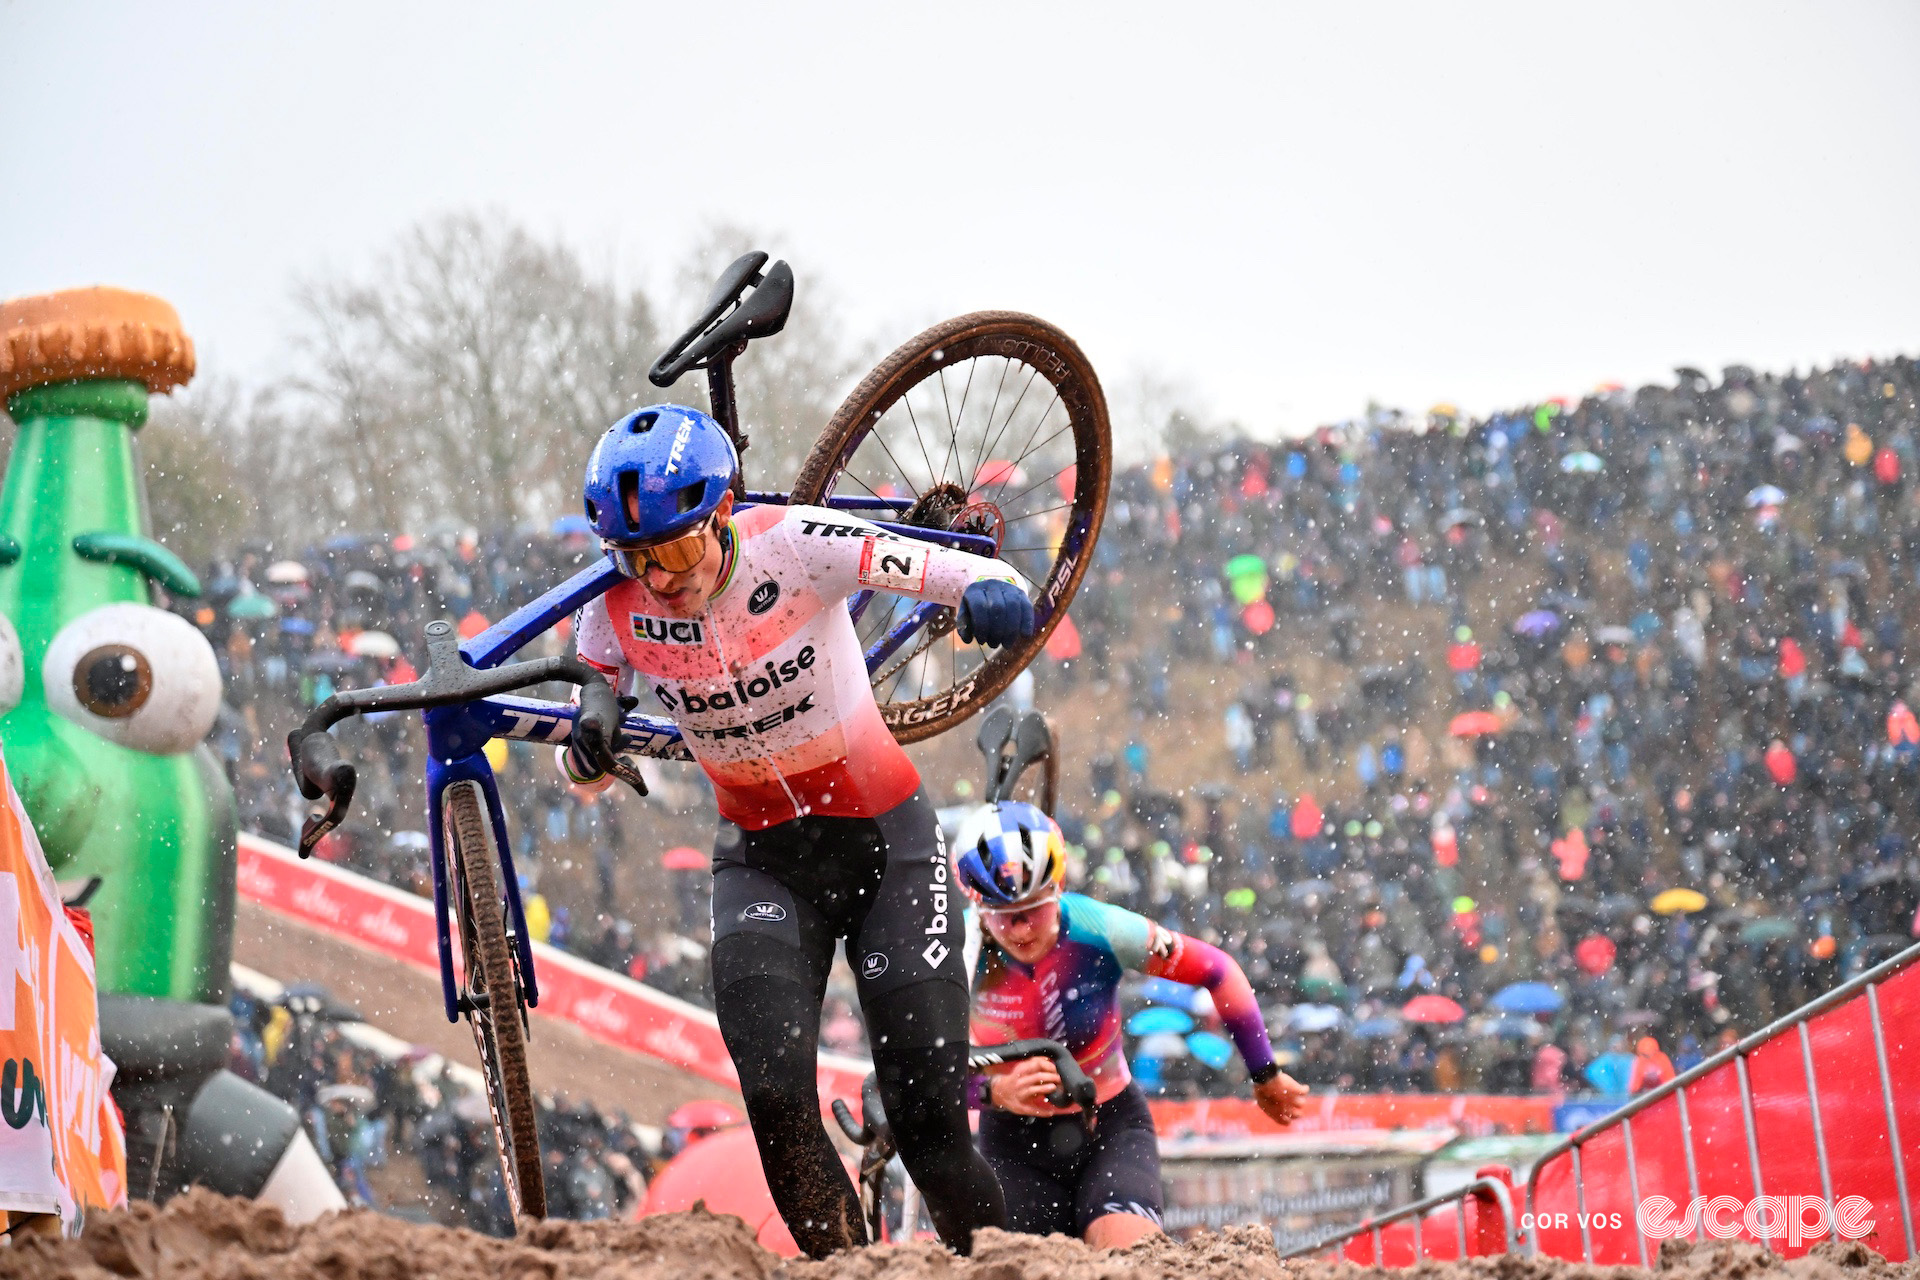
[
  {"x": 137, "y": 676},
  {"x": 13, "y": 671}
]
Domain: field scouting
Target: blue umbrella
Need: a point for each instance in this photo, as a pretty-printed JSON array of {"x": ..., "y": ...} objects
[
  {"x": 1166, "y": 991},
  {"x": 1537, "y": 623},
  {"x": 1514, "y": 1028},
  {"x": 1211, "y": 1049},
  {"x": 1527, "y": 997},
  {"x": 575, "y": 523},
  {"x": 1163, "y": 1046},
  {"x": 296, "y": 626},
  {"x": 1611, "y": 1072},
  {"x": 1315, "y": 1017},
  {"x": 1152, "y": 1021},
  {"x": 1377, "y": 1028}
]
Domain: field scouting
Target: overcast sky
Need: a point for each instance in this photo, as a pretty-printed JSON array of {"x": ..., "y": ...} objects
[{"x": 1290, "y": 209}]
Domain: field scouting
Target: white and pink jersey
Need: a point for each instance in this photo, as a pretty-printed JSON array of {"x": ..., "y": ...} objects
[{"x": 769, "y": 684}]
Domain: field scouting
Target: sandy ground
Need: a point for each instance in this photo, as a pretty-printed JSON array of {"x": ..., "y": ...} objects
[
  {"x": 205, "y": 1235},
  {"x": 404, "y": 1001}
]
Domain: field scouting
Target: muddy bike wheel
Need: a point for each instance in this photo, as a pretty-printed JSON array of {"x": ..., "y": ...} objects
[
  {"x": 491, "y": 986},
  {"x": 993, "y": 423}
]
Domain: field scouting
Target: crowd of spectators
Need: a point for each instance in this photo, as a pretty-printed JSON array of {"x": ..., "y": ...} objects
[
  {"x": 365, "y": 1109},
  {"x": 1493, "y": 688},
  {"x": 1648, "y": 641}
]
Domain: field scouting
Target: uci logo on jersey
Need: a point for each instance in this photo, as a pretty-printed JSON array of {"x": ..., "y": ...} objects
[
  {"x": 667, "y": 630},
  {"x": 772, "y": 911},
  {"x": 874, "y": 965},
  {"x": 763, "y": 598}
]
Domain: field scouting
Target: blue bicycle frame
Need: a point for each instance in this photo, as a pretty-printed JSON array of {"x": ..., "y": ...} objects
[{"x": 457, "y": 735}]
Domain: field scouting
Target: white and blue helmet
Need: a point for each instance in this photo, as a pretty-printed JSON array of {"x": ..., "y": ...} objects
[{"x": 1010, "y": 856}]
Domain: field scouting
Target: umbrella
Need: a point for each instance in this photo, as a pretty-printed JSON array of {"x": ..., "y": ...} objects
[
  {"x": 1636, "y": 1018},
  {"x": 1786, "y": 442},
  {"x": 1766, "y": 495},
  {"x": 1767, "y": 929},
  {"x": 296, "y": 626},
  {"x": 1595, "y": 954},
  {"x": 285, "y": 572},
  {"x": 1537, "y": 623},
  {"x": 1432, "y": 1009},
  {"x": 1473, "y": 724},
  {"x": 1614, "y": 635},
  {"x": 252, "y": 605},
  {"x": 1678, "y": 902},
  {"x": 1214, "y": 1050},
  {"x": 1527, "y": 997},
  {"x": 1378, "y": 1028},
  {"x": 1309, "y": 889},
  {"x": 356, "y": 1094},
  {"x": 1459, "y": 516},
  {"x": 1514, "y": 1028},
  {"x": 572, "y": 524},
  {"x": 1306, "y": 820},
  {"x": 1316, "y": 987},
  {"x": 1168, "y": 992},
  {"x": 334, "y": 663},
  {"x": 1582, "y": 463},
  {"x": 1315, "y": 1017},
  {"x": 684, "y": 858},
  {"x": 414, "y": 840},
  {"x": 374, "y": 644},
  {"x": 1610, "y": 1072},
  {"x": 361, "y": 580},
  {"x": 1165, "y": 1046},
  {"x": 1159, "y": 1020}
]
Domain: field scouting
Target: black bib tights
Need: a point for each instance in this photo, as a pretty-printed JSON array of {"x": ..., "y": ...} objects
[{"x": 781, "y": 897}]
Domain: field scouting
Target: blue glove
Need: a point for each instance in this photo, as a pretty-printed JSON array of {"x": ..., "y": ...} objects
[{"x": 994, "y": 612}]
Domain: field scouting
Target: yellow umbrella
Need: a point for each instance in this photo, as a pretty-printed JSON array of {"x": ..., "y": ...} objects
[{"x": 1677, "y": 901}]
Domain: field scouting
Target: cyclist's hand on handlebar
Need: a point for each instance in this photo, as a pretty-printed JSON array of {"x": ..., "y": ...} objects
[
  {"x": 1023, "y": 1088},
  {"x": 994, "y": 612},
  {"x": 1283, "y": 1098}
]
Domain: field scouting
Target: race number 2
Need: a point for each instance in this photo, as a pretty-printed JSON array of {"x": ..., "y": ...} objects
[{"x": 893, "y": 566}]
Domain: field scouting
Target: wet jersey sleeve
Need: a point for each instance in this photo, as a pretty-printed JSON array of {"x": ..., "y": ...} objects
[
  {"x": 844, "y": 554},
  {"x": 1140, "y": 944}
]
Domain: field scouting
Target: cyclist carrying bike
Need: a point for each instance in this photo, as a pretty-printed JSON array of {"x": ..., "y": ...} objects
[
  {"x": 736, "y": 623},
  {"x": 1049, "y": 964}
]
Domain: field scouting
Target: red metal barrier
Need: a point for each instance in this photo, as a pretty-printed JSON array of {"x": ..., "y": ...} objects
[{"x": 1823, "y": 1105}]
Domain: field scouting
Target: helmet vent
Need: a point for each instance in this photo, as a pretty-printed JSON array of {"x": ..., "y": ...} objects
[
  {"x": 630, "y": 498},
  {"x": 688, "y": 498},
  {"x": 643, "y": 422}
]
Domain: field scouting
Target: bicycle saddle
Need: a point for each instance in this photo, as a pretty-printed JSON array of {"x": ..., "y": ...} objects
[{"x": 732, "y": 317}]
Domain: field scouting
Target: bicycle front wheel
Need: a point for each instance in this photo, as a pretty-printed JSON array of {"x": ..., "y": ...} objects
[
  {"x": 991, "y": 423},
  {"x": 491, "y": 990}
]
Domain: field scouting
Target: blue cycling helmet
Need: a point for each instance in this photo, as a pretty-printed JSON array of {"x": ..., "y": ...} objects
[
  {"x": 1010, "y": 856},
  {"x": 657, "y": 473}
]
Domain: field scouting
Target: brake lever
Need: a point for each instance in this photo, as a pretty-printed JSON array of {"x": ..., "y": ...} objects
[{"x": 317, "y": 825}]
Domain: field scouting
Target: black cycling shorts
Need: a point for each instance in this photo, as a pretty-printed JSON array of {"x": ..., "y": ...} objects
[
  {"x": 1057, "y": 1178},
  {"x": 788, "y": 892}
]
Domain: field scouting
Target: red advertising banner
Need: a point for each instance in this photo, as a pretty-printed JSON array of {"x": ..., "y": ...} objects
[
  {"x": 1864, "y": 1154},
  {"x": 1473, "y": 1115},
  {"x": 607, "y": 1006}
]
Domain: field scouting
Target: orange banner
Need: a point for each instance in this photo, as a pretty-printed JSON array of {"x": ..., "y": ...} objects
[
  {"x": 1471, "y": 1114},
  {"x": 62, "y": 1149}
]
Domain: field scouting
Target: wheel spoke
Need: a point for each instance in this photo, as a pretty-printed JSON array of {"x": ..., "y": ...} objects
[
  {"x": 906, "y": 402},
  {"x": 980, "y": 455},
  {"x": 987, "y": 454}
]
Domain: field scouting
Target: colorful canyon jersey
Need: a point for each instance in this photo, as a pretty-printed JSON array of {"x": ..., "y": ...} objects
[
  {"x": 1072, "y": 994},
  {"x": 769, "y": 684}
]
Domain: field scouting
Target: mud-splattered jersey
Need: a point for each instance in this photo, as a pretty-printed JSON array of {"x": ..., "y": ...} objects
[
  {"x": 769, "y": 684},
  {"x": 1073, "y": 994}
]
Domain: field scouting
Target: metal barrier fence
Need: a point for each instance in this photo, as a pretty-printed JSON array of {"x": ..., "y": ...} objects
[
  {"x": 1781, "y": 1106},
  {"x": 1493, "y": 1190}
]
